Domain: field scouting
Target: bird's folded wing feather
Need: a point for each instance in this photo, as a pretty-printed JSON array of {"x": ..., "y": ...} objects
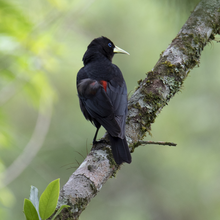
[
  {"x": 99, "y": 106},
  {"x": 118, "y": 96}
]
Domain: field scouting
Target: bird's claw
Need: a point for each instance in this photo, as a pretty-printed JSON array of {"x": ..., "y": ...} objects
[{"x": 99, "y": 144}]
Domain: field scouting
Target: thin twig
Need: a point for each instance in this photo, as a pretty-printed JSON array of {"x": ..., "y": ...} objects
[
  {"x": 79, "y": 154},
  {"x": 77, "y": 162},
  {"x": 158, "y": 143},
  {"x": 67, "y": 165},
  {"x": 87, "y": 152}
]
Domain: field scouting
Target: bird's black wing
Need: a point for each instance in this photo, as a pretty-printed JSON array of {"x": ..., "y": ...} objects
[
  {"x": 107, "y": 105},
  {"x": 118, "y": 96},
  {"x": 98, "y": 105}
]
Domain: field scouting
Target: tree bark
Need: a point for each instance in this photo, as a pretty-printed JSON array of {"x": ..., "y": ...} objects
[{"x": 152, "y": 94}]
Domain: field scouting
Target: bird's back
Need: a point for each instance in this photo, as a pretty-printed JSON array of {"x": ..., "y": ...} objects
[{"x": 103, "y": 95}]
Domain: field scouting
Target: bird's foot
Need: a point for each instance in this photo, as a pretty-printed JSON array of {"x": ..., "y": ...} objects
[{"x": 97, "y": 145}]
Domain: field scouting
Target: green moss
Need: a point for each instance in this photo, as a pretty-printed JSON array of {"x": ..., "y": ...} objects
[
  {"x": 162, "y": 53},
  {"x": 169, "y": 64},
  {"x": 145, "y": 118},
  {"x": 196, "y": 39},
  {"x": 139, "y": 81},
  {"x": 149, "y": 73},
  {"x": 216, "y": 29},
  {"x": 80, "y": 204},
  {"x": 193, "y": 52},
  {"x": 143, "y": 129},
  {"x": 154, "y": 99},
  {"x": 212, "y": 37},
  {"x": 136, "y": 88},
  {"x": 146, "y": 115},
  {"x": 112, "y": 162},
  {"x": 137, "y": 106},
  {"x": 93, "y": 187},
  {"x": 128, "y": 118},
  {"x": 174, "y": 84},
  {"x": 134, "y": 145}
]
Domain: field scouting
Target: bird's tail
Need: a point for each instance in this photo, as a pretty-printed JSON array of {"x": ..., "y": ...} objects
[{"x": 120, "y": 150}]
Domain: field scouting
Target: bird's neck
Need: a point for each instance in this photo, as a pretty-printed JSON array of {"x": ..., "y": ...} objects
[{"x": 94, "y": 56}]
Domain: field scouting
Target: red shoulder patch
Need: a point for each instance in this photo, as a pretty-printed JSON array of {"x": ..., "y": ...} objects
[{"x": 104, "y": 84}]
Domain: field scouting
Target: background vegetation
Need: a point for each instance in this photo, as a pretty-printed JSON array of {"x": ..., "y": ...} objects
[{"x": 41, "y": 47}]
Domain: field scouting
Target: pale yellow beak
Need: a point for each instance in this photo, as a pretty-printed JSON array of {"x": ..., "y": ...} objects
[{"x": 119, "y": 50}]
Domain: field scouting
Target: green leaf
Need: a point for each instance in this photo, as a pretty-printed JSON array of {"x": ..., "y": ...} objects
[
  {"x": 49, "y": 199},
  {"x": 30, "y": 211},
  {"x": 34, "y": 198},
  {"x": 59, "y": 211}
]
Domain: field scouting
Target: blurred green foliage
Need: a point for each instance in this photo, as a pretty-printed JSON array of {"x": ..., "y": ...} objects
[{"x": 41, "y": 48}]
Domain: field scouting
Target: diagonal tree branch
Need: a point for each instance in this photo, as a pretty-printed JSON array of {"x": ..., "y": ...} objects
[{"x": 152, "y": 94}]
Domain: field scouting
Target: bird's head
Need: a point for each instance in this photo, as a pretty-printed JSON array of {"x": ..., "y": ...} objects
[{"x": 104, "y": 46}]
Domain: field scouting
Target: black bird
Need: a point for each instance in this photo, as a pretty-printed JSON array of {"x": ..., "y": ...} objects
[{"x": 102, "y": 95}]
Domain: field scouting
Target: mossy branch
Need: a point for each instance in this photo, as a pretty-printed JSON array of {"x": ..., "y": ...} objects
[
  {"x": 174, "y": 65},
  {"x": 152, "y": 94}
]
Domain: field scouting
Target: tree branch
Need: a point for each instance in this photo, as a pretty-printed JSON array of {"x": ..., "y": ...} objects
[
  {"x": 157, "y": 143},
  {"x": 152, "y": 94}
]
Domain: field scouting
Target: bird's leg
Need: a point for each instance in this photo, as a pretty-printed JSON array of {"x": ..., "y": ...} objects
[
  {"x": 94, "y": 139},
  {"x": 96, "y": 143}
]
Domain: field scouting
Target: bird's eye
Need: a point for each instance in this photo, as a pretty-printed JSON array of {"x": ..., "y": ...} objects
[{"x": 109, "y": 44}]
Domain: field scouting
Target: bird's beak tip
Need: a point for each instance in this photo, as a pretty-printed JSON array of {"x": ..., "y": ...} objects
[{"x": 119, "y": 50}]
